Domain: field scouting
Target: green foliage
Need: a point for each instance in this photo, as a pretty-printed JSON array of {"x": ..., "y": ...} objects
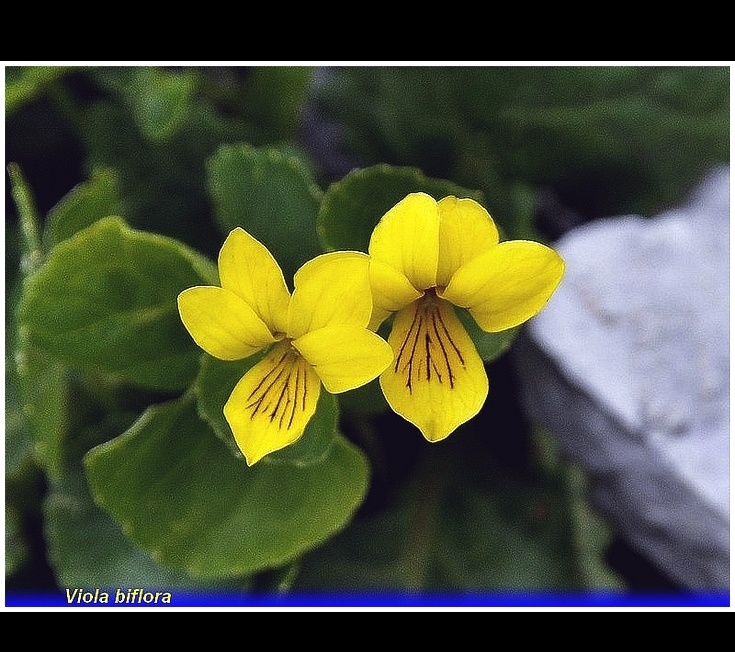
[
  {"x": 461, "y": 524},
  {"x": 16, "y": 549},
  {"x": 105, "y": 299},
  {"x": 82, "y": 206},
  {"x": 24, "y": 84},
  {"x": 178, "y": 492},
  {"x": 489, "y": 345},
  {"x": 272, "y": 196},
  {"x": 610, "y": 140},
  {"x": 353, "y": 206},
  {"x": 73, "y": 521},
  {"x": 275, "y": 98},
  {"x": 160, "y": 100},
  {"x": 117, "y": 449}
]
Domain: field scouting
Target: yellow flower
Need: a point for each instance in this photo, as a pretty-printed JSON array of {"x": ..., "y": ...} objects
[
  {"x": 426, "y": 257},
  {"x": 317, "y": 335}
]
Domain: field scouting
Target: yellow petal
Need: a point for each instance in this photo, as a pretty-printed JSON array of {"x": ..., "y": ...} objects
[
  {"x": 437, "y": 380},
  {"x": 465, "y": 231},
  {"x": 222, "y": 323},
  {"x": 344, "y": 357},
  {"x": 407, "y": 239},
  {"x": 272, "y": 403},
  {"x": 378, "y": 317},
  {"x": 331, "y": 289},
  {"x": 249, "y": 270},
  {"x": 391, "y": 289},
  {"x": 507, "y": 285}
]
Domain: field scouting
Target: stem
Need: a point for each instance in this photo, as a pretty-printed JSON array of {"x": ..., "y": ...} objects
[
  {"x": 28, "y": 216},
  {"x": 426, "y": 494}
]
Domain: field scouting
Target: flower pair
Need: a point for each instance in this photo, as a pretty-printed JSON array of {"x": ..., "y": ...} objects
[{"x": 425, "y": 257}]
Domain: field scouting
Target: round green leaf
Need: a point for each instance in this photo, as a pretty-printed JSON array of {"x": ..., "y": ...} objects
[
  {"x": 85, "y": 545},
  {"x": 269, "y": 194},
  {"x": 178, "y": 493},
  {"x": 214, "y": 384},
  {"x": 353, "y": 206},
  {"x": 105, "y": 300}
]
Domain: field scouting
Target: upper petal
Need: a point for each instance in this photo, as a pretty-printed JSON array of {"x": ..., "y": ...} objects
[
  {"x": 221, "y": 323},
  {"x": 331, "y": 289},
  {"x": 344, "y": 357},
  {"x": 248, "y": 269},
  {"x": 507, "y": 285},
  {"x": 391, "y": 289},
  {"x": 272, "y": 403},
  {"x": 437, "y": 380},
  {"x": 466, "y": 230},
  {"x": 407, "y": 239}
]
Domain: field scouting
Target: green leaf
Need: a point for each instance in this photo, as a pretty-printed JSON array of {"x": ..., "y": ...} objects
[
  {"x": 367, "y": 399},
  {"x": 86, "y": 547},
  {"x": 44, "y": 404},
  {"x": 179, "y": 493},
  {"x": 353, "y": 206},
  {"x": 83, "y": 206},
  {"x": 269, "y": 194},
  {"x": 592, "y": 533},
  {"x": 36, "y": 412},
  {"x": 105, "y": 300},
  {"x": 215, "y": 383},
  {"x": 24, "y": 84},
  {"x": 16, "y": 548},
  {"x": 162, "y": 182},
  {"x": 489, "y": 345},
  {"x": 160, "y": 100},
  {"x": 18, "y": 439}
]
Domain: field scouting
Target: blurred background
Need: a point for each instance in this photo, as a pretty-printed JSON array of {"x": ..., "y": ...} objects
[{"x": 568, "y": 478}]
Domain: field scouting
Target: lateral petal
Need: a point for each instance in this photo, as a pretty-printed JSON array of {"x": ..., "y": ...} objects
[
  {"x": 466, "y": 230},
  {"x": 507, "y": 285},
  {"x": 331, "y": 289},
  {"x": 344, "y": 357},
  {"x": 437, "y": 380},
  {"x": 391, "y": 289},
  {"x": 248, "y": 269},
  {"x": 221, "y": 323},
  {"x": 272, "y": 403},
  {"x": 407, "y": 239}
]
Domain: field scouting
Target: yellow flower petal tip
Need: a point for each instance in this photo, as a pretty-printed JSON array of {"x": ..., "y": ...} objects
[
  {"x": 437, "y": 380},
  {"x": 272, "y": 403},
  {"x": 317, "y": 336},
  {"x": 426, "y": 258}
]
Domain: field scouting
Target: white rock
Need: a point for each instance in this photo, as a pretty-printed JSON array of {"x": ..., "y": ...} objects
[{"x": 639, "y": 330}]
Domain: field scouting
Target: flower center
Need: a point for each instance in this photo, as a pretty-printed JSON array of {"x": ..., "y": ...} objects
[
  {"x": 281, "y": 393},
  {"x": 429, "y": 353}
]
